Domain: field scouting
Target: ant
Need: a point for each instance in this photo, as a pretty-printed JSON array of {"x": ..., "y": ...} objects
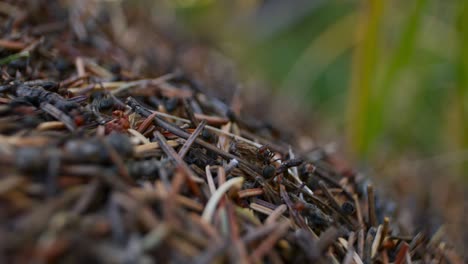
[
  {"x": 269, "y": 170},
  {"x": 265, "y": 154}
]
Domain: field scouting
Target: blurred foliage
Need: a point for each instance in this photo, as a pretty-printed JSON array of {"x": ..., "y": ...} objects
[{"x": 392, "y": 74}]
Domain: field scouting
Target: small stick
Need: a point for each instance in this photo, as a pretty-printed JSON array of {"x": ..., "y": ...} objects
[
  {"x": 151, "y": 195},
  {"x": 181, "y": 133},
  {"x": 240, "y": 252},
  {"x": 375, "y": 243},
  {"x": 262, "y": 141},
  {"x": 189, "y": 112},
  {"x": 371, "y": 205},
  {"x": 334, "y": 203},
  {"x": 268, "y": 243},
  {"x": 139, "y": 136},
  {"x": 209, "y": 179},
  {"x": 324, "y": 176},
  {"x": 50, "y": 125},
  {"x": 52, "y": 173},
  {"x": 153, "y": 146},
  {"x": 145, "y": 214},
  {"x": 328, "y": 238},
  {"x": 260, "y": 208},
  {"x": 417, "y": 240},
  {"x": 299, "y": 220},
  {"x": 329, "y": 196},
  {"x": 264, "y": 203},
  {"x": 386, "y": 226},
  {"x": 276, "y": 214},
  {"x": 117, "y": 160},
  {"x": 59, "y": 115},
  {"x": 169, "y": 202},
  {"x": 146, "y": 123},
  {"x": 368, "y": 246},
  {"x": 384, "y": 257},
  {"x": 207, "y": 228},
  {"x": 274, "y": 257},
  {"x": 183, "y": 246},
  {"x": 358, "y": 211},
  {"x": 259, "y": 232},
  {"x": 351, "y": 253},
  {"x": 361, "y": 241},
  {"x": 97, "y": 69},
  {"x": 178, "y": 160},
  {"x": 209, "y": 255},
  {"x": 250, "y": 192},
  {"x": 189, "y": 203},
  {"x": 80, "y": 69},
  {"x": 401, "y": 256},
  {"x": 144, "y": 112},
  {"x": 222, "y": 203},
  {"x": 72, "y": 80},
  {"x": 191, "y": 139},
  {"x": 212, "y": 120},
  {"x": 10, "y": 183},
  {"x": 221, "y": 176},
  {"x": 189, "y": 238},
  {"x": 216, "y": 197},
  {"x": 154, "y": 238},
  {"x": 157, "y": 81},
  {"x": 12, "y": 45}
]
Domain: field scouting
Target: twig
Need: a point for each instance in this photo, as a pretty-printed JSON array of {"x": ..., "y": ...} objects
[
  {"x": 134, "y": 104},
  {"x": 350, "y": 254},
  {"x": 11, "y": 44},
  {"x": 209, "y": 179},
  {"x": 371, "y": 205},
  {"x": 269, "y": 242},
  {"x": 59, "y": 115},
  {"x": 157, "y": 81},
  {"x": 117, "y": 160},
  {"x": 80, "y": 69},
  {"x": 401, "y": 256},
  {"x": 179, "y": 132},
  {"x": 185, "y": 148},
  {"x": 250, "y": 192},
  {"x": 260, "y": 208},
  {"x": 276, "y": 214},
  {"x": 335, "y": 204},
  {"x": 386, "y": 226},
  {"x": 211, "y": 205},
  {"x": 174, "y": 156}
]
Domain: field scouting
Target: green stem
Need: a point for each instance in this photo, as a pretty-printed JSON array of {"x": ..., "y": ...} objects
[
  {"x": 364, "y": 70},
  {"x": 13, "y": 57}
]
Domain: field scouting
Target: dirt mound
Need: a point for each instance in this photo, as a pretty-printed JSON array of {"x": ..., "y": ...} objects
[{"x": 113, "y": 154}]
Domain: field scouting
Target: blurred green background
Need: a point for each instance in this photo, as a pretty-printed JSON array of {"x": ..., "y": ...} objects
[{"x": 391, "y": 76}]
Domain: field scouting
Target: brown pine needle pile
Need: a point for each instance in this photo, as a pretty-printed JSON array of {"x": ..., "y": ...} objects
[{"x": 101, "y": 163}]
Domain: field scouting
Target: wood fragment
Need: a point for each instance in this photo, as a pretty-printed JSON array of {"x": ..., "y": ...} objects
[
  {"x": 250, "y": 192},
  {"x": 56, "y": 113},
  {"x": 371, "y": 205},
  {"x": 211, "y": 205},
  {"x": 170, "y": 152},
  {"x": 185, "y": 148},
  {"x": 51, "y": 125},
  {"x": 12, "y": 45},
  {"x": 269, "y": 242}
]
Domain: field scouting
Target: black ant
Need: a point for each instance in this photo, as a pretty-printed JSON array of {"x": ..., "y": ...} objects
[{"x": 265, "y": 154}]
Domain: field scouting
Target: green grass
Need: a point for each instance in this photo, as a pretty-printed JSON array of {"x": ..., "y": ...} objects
[
  {"x": 364, "y": 71},
  {"x": 461, "y": 91}
]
